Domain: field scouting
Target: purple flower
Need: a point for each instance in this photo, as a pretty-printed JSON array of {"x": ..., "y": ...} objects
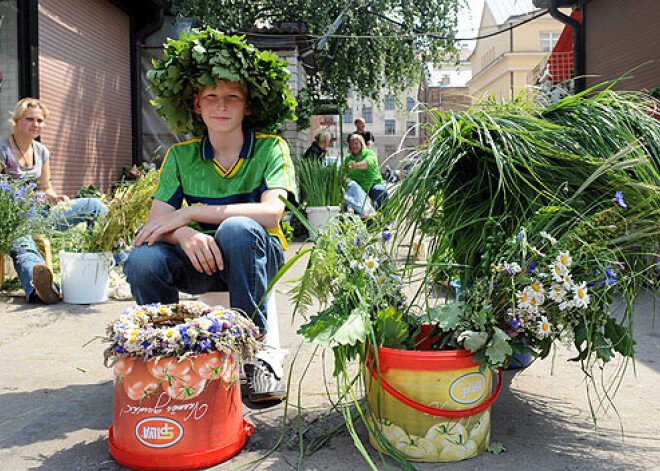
[
  {"x": 386, "y": 235},
  {"x": 5, "y": 186},
  {"x": 532, "y": 265},
  {"x": 519, "y": 237},
  {"x": 618, "y": 197},
  {"x": 515, "y": 322}
]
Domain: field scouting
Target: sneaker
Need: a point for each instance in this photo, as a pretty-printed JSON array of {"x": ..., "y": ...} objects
[
  {"x": 263, "y": 383},
  {"x": 42, "y": 280}
]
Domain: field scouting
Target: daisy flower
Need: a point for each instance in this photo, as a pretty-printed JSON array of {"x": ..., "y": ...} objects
[
  {"x": 566, "y": 304},
  {"x": 564, "y": 258},
  {"x": 548, "y": 237},
  {"x": 371, "y": 264},
  {"x": 557, "y": 293},
  {"x": 543, "y": 326},
  {"x": 581, "y": 298},
  {"x": 558, "y": 271}
]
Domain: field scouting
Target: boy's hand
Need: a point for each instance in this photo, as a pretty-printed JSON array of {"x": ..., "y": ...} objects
[
  {"x": 202, "y": 250},
  {"x": 164, "y": 224}
]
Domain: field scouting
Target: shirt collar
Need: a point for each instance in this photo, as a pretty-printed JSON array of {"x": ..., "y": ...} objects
[{"x": 206, "y": 149}]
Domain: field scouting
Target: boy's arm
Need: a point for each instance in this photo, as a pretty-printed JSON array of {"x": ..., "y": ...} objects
[
  {"x": 163, "y": 225},
  {"x": 201, "y": 248}
]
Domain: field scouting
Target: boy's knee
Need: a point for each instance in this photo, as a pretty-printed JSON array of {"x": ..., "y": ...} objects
[
  {"x": 142, "y": 261},
  {"x": 238, "y": 231}
]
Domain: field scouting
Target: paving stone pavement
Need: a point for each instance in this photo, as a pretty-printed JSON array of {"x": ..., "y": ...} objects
[{"x": 56, "y": 402}]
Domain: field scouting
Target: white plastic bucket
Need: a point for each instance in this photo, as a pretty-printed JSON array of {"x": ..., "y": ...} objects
[
  {"x": 318, "y": 216},
  {"x": 85, "y": 277}
]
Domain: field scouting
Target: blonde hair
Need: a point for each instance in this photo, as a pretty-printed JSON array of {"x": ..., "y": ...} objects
[
  {"x": 357, "y": 137},
  {"x": 22, "y": 109}
]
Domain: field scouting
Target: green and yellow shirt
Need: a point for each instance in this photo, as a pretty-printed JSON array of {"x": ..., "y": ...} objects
[{"x": 191, "y": 173}]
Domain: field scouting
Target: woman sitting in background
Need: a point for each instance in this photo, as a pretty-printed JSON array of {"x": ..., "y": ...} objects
[
  {"x": 363, "y": 169},
  {"x": 22, "y": 156}
]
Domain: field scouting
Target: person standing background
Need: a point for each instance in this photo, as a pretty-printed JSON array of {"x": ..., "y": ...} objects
[{"x": 360, "y": 129}]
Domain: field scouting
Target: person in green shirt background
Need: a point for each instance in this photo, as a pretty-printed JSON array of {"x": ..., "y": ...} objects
[{"x": 363, "y": 169}]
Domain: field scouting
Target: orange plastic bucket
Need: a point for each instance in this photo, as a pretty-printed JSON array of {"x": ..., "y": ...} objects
[
  {"x": 431, "y": 406},
  {"x": 171, "y": 415}
]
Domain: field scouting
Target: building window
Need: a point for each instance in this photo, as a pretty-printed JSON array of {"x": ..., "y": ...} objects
[
  {"x": 348, "y": 115},
  {"x": 389, "y": 102},
  {"x": 411, "y": 128},
  {"x": 410, "y": 103},
  {"x": 367, "y": 114},
  {"x": 390, "y": 127},
  {"x": 389, "y": 150},
  {"x": 548, "y": 39}
]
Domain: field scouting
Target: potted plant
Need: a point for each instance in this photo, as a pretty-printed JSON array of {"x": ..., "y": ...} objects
[
  {"x": 176, "y": 383},
  {"x": 543, "y": 226},
  {"x": 86, "y": 256},
  {"x": 322, "y": 187}
]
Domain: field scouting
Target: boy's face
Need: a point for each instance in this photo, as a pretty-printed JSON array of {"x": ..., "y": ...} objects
[{"x": 222, "y": 108}]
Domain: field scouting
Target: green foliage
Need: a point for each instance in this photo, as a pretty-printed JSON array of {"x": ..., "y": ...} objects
[
  {"x": 320, "y": 184},
  {"x": 201, "y": 58},
  {"x": 20, "y": 211},
  {"x": 88, "y": 192},
  {"x": 388, "y": 54},
  {"x": 127, "y": 212}
]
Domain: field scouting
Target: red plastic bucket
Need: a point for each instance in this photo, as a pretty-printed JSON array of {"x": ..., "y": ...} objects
[
  {"x": 171, "y": 415},
  {"x": 431, "y": 406}
]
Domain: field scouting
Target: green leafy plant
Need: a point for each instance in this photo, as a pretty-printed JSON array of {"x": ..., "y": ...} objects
[
  {"x": 201, "y": 58},
  {"x": 128, "y": 210},
  {"x": 321, "y": 184}
]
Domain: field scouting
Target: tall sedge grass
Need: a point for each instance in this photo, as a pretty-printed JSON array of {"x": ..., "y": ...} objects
[
  {"x": 499, "y": 164},
  {"x": 320, "y": 184}
]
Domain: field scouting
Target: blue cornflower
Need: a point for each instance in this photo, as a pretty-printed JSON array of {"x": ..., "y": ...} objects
[
  {"x": 515, "y": 322},
  {"x": 340, "y": 248},
  {"x": 532, "y": 265},
  {"x": 519, "y": 237},
  {"x": 618, "y": 197},
  {"x": 5, "y": 186},
  {"x": 611, "y": 276},
  {"x": 119, "y": 349},
  {"x": 387, "y": 235}
]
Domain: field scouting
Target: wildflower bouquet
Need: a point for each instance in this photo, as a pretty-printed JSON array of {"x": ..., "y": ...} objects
[
  {"x": 352, "y": 274},
  {"x": 20, "y": 210}
]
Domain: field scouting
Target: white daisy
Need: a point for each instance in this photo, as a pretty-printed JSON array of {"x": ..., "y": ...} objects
[
  {"x": 548, "y": 237},
  {"x": 515, "y": 268},
  {"x": 558, "y": 271},
  {"x": 564, "y": 258},
  {"x": 581, "y": 298},
  {"x": 544, "y": 327},
  {"x": 523, "y": 299},
  {"x": 371, "y": 264},
  {"x": 557, "y": 293}
]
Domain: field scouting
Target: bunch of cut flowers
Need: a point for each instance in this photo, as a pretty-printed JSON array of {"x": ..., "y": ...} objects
[
  {"x": 351, "y": 273},
  {"x": 20, "y": 210},
  {"x": 544, "y": 287}
]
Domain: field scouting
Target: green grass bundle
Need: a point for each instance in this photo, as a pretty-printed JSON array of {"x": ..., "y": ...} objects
[{"x": 320, "y": 184}]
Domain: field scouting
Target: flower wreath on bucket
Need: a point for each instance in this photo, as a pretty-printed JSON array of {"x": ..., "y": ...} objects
[{"x": 178, "y": 347}]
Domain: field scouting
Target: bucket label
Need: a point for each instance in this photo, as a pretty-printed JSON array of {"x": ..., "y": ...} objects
[
  {"x": 158, "y": 432},
  {"x": 468, "y": 389}
]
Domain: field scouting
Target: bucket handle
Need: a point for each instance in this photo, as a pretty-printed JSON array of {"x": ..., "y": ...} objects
[{"x": 450, "y": 413}]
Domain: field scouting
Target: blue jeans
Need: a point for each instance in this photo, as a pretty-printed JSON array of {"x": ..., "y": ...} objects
[
  {"x": 380, "y": 197},
  {"x": 251, "y": 256},
  {"x": 25, "y": 253},
  {"x": 356, "y": 198}
]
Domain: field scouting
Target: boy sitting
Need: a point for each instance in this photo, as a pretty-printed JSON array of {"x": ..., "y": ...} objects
[{"x": 228, "y": 237}]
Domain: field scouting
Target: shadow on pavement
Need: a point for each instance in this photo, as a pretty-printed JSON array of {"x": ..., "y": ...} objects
[{"x": 49, "y": 414}]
